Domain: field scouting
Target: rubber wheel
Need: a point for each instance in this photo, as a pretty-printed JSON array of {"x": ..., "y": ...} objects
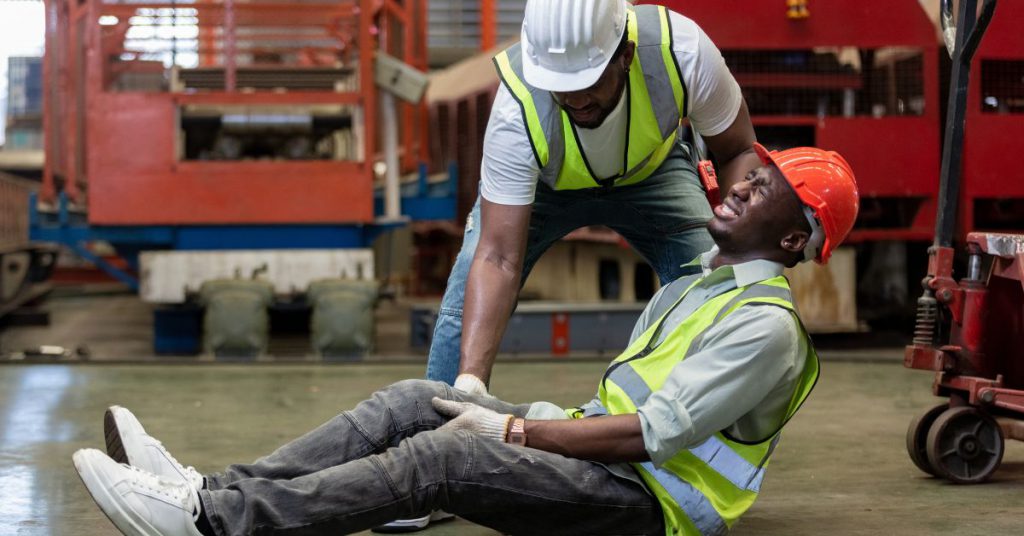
[
  {"x": 964, "y": 445},
  {"x": 917, "y": 436}
]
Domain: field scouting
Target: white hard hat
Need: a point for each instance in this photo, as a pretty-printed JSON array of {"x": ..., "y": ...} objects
[{"x": 568, "y": 43}]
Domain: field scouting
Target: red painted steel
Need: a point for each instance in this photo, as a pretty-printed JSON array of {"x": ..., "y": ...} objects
[
  {"x": 896, "y": 156},
  {"x": 488, "y": 24},
  {"x": 559, "y": 334},
  {"x": 116, "y": 151},
  {"x": 993, "y": 141},
  {"x": 1009, "y": 399},
  {"x": 742, "y": 24}
]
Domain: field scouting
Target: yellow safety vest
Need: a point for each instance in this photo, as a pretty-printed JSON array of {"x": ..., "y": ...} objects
[
  {"x": 656, "y": 96},
  {"x": 702, "y": 490}
]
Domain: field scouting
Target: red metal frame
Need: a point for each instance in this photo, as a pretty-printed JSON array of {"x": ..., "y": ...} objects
[
  {"x": 866, "y": 142},
  {"x": 992, "y": 142},
  {"x": 488, "y": 24},
  {"x": 119, "y": 146}
]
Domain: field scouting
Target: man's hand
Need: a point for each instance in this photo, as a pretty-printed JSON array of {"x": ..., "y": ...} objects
[
  {"x": 471, "y": 417},
  {"x": 468, "y": 383}
]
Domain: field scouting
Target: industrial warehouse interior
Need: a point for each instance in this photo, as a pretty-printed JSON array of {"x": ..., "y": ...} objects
[{"x": 531, "y": 267}]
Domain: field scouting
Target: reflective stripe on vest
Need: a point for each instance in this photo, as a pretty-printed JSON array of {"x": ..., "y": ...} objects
[
  {"x": 657, "y": 102},
  {"x": 735, "y": 468},
  {"x": 698, "y": 508},
  {"x": 703, "y": 489}
]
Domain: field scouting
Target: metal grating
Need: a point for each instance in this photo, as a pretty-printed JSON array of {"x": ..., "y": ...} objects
[
  {"x": 325, "y": 79},
  {"x": 1002, "y": 86},
  {"x": 142, "y": 42},
  {"x": 841, "y": 81},
  {"x": 454, "y": 26}
]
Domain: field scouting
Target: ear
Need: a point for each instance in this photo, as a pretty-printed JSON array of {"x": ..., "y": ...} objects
[
  {"x": 795, "y": 242},
  {"x": 627, "y": 54}
]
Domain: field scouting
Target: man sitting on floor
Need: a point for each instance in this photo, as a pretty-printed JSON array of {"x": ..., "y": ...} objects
[{"x": 675, "y": 442}]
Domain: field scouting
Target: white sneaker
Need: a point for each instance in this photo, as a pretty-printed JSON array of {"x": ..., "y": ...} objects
[
  {"x": 413, "y": 525},
  {"x": 137, "y": 502},
  {"x": 128, "y": 442}
]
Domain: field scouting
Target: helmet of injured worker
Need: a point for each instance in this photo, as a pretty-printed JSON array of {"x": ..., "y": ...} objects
[{"x": 825, "y": 184}]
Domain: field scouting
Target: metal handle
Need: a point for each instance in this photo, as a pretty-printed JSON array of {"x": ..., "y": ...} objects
[
  {"x": 987, "y": 9},
  {"x": 949, "y": 27}
]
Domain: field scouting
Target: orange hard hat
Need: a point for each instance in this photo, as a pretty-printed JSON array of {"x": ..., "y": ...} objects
[{"x": 824, "y": 182}]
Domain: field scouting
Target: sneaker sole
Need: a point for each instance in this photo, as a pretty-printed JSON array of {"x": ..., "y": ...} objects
[
  {"x": 411, "y": 525},
  {"x": 115, "y": 448},
  {"x": 130, "y": 527}
]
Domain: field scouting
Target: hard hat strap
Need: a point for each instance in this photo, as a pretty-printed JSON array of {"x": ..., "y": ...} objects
[{"x": 817, "y": 238}]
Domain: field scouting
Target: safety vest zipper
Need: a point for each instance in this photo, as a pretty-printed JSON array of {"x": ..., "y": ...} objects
[
  {"x": 642, "y": 354},
  {"x": 649, "y": 347}
]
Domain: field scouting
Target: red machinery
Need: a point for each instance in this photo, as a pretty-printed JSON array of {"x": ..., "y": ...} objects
[
  {"x": 168, "y": 112},
  {"x": 860, "y": 78},
  {"x": 978, "y": 361},
  {"x": 993, "y": 194}
]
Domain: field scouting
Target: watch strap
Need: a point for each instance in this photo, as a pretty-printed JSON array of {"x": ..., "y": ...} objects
[{"x": 517, "y": 432}]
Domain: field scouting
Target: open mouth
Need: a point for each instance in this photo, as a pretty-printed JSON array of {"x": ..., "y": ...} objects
[
  {"x": 585, "y": 112},
  {"x": 726, "y": 211}
]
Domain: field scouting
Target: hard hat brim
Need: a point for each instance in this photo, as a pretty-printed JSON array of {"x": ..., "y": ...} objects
[
  {"x": 764, "y": 154},
  {"x": 548, "y": 80},
  {"x": 768, "y": 159}
]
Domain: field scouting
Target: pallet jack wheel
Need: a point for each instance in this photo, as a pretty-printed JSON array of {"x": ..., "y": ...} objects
[
  {"x": 965, "y": 445},
  {"x": 917, "y": 435}
]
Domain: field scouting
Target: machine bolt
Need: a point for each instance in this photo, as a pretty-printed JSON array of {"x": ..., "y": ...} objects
[
  {"x": 987, "y": 396},
  {"x": 945, "y": 295}
]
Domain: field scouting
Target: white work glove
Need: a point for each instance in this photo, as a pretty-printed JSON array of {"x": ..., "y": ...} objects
[
  {"x": 471, "y": 417},
  {"x": 468, "y": 383}
]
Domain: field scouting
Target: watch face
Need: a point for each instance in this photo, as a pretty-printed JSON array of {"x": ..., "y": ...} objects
[{"x": 517, "y": 433}]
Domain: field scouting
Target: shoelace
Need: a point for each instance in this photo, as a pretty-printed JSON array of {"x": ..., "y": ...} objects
[
  {"x": 194, "y": 477},
  {"x": 180, "y": 493},
  {"x": 144, "y": 479}
]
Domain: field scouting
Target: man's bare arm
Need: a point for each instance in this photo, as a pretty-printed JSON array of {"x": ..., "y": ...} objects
[
  {"x": 492, "y": 284},
  {"x": 733, "y": 148},
  {"x": 612, "y": 439}
]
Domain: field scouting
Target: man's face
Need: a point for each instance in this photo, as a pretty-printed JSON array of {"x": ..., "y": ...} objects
[
  {"x": 589, "y": 107},
  {"x": 756, "y": 213}
]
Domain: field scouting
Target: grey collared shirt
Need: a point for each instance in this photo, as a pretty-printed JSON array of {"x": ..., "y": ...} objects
[{"x": 741, "y": 377}]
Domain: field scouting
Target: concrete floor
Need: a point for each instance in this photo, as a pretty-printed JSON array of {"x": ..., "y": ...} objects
[{"x": 841, "y": 468}]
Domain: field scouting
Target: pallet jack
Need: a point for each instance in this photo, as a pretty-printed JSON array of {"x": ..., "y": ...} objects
[{"x": 968, "y": 332}]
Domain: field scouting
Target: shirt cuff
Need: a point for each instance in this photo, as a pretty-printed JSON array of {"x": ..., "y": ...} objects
[
  {"x": 505, "y": 199},
  {"x": 664, "y": 431}
]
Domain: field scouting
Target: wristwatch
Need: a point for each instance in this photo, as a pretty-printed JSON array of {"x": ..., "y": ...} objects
[{"x": 517, "y": 432}]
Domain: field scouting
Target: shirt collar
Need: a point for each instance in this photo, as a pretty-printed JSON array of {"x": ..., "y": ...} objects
[{"x": 745, "y": 273}]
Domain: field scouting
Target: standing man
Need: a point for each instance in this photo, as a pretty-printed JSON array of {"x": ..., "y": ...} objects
[{"x": 583, "y": 131}]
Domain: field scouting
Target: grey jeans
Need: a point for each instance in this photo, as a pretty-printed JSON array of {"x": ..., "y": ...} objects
[{"x": 386, "y": 460}]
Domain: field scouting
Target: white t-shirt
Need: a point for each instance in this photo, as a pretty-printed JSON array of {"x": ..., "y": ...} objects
[
  {"x": 509, "y": 172},
  {"x": 603, "y": 146}
]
